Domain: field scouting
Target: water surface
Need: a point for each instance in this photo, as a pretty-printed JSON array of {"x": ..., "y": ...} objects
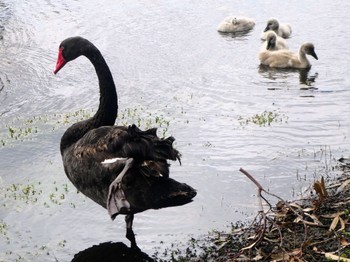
[{"x": 169, "y": 62}]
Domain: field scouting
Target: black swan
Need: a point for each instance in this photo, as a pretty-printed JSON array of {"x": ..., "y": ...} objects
[{"x": 123, "y": 169}]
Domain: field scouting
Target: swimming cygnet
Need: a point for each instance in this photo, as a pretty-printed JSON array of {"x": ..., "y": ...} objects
[
  {"x": 273, "y": 42},
  {"x": 234, "y": 24},
  {"x": 287, "y": 59},
  {"x": 282, "y": 30}
]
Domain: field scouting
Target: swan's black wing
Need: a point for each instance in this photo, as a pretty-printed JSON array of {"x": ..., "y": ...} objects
[
  {"x": 85, "y": 164},
  {"x": 125, "y": 142}
]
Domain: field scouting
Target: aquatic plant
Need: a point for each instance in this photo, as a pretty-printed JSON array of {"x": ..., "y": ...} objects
[
  {"x": 35, "y": 193},
  {"x": 3, "y": 228},
  {"x": 144, "y": 120},
  {"x": 22, "y": 129},
  {"x": 266, "y": 118}
]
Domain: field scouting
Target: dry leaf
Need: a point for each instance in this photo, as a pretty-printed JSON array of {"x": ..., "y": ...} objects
[
  {"x": 308, "y": 209},
  {"x": 280, "y": 257},
  {"x": 337, "y": 219},
  {"x": 323, "y": 185},
  {"x": 297, "y": 220},
  {"x": 320, "y": 189},
  {"x": 222, "y": 245},
  {"x": 296, "y": 252},
  {"x": 335, "y": 257},
  {"x": 334, "y": 222},
  {"x": 330, "y": 215},
  {"x": 250, "y": 246},
  {"x": 343, "y": 186},
  {"x": 314, "y": 218},
  {"x": 342, "y": 224},
  {"x": 295, "y": 205},
  {"x": 343, "y": 242}
]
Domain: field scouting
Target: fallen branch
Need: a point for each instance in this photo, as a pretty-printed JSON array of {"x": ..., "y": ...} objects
[{"x": 295, "y": 209}]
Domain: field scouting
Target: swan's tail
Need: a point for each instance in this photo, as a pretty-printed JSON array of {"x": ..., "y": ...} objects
[{"x": 168, "y": 192}]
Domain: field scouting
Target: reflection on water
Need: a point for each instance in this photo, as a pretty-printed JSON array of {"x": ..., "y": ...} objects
[
  {"x": 2, "y": 85},
  {"x": 111, "y": 252},
  {"x": 237, "y": 35},
  {"x": 284, "y": 73},
  {"x": 307, "y": 79}
]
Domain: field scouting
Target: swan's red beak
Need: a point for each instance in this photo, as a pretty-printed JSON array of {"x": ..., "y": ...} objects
[{"x": 60, "y": 61}]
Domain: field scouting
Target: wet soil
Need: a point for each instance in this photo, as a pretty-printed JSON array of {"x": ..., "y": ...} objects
[{"x": 316, "y": 228}]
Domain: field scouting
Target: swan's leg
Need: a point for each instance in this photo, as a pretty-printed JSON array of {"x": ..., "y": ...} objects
[
  {"x": 116, "y": 201},
  {"x": 119, "y": 178},
  {"x": 129, "y": 232}
]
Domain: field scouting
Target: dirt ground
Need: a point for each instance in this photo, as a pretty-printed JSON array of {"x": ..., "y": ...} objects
[{"x": 313, "y": 229}]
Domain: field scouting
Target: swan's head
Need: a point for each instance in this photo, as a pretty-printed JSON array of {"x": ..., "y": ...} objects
[
  {"x": 70, "y": 49},
  {"x": 272, "y": 24},
  {"x": 234, "y": 21},
  {"x": 271, "y": 39},
  {"x": 309, "y": 49}
]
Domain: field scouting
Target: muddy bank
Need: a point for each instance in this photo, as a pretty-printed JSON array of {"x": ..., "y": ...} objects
[{"x": 315, "y": 228}]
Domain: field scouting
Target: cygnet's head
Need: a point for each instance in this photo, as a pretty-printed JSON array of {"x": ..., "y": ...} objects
[
  {"x": 309, "y": 49},
  {"x": 234, "y": 21},
  {"x": 271, "y": 39},
  {"x": 272, "y": 24}
]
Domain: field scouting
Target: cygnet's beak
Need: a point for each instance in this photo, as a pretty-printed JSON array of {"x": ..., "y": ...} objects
[{"x": 314, "y": 54}]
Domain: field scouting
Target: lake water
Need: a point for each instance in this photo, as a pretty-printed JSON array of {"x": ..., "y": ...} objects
[{"x": 206, "y": 89}]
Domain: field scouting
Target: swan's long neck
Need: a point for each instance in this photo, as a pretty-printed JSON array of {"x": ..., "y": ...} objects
[
  {"x": 302, "y": 57},
  {"x": 108, "y": 108}
]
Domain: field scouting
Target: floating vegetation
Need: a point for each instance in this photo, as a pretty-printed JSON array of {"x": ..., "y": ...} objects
[
  {"x": 21, "y": 129},
  {"x": 72, "y": 117},
  {"x": 35, "y": 193},
  {"x": 26, "y": 193},
  {"x": 266, "y": 118},
  {"x": 62, "y": 243},
  {"x": 36, "y": 253},
  {"x": 143, "y": 120},
  {"x": 3, "y": 228}
]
